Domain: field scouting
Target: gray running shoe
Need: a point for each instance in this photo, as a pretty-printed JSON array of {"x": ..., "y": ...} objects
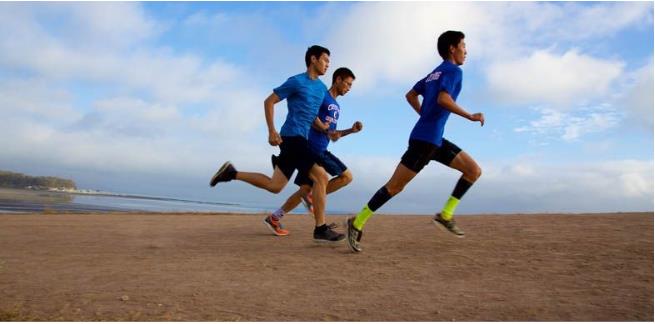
[
  {"x": 328, "y": 236},
  {"x": 449, "y": 226},
  {"x": 226, "y": 173},
  {"x": 354, "y": 235}
]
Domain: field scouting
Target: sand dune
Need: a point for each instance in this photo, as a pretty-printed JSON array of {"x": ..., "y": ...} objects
[{"x": 227, "y": 267}]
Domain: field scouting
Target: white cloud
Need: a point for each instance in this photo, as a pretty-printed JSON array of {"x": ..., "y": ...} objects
[
  {"x": 638, "y": 98},
  {"x": 397, "y": 41},
  {"x": 507, "y": 187},
  {"x": 557, "y": 79},
  {"x": 570, "y": 126}
]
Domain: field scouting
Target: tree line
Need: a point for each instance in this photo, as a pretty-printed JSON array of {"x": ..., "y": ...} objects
[{"x": 22, "y": 181}]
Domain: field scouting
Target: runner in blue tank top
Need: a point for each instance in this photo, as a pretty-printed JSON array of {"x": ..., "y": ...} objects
[
  {"x": 319, "y": 138},
  {"x": 439, "y": 90},
  {"x": 304, "y": 94}
]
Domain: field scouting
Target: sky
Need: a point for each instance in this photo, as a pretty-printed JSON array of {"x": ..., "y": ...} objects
[{"x": 151, "y": 98}]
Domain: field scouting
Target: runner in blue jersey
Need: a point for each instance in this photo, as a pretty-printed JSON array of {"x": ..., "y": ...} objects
[
  {"x": 319, "y": 138},
  {"x": 439, "y": 89},
  {"x": 304, "y": 94}
]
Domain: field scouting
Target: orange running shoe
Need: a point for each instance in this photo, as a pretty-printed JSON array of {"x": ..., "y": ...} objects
[{"x": 275, "y": 226}]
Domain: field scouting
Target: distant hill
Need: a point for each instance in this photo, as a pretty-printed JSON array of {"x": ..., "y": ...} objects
[{"x": 22, "y": 181}]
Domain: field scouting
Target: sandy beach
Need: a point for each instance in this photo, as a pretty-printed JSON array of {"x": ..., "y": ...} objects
[{"x": 228, "y": 267}]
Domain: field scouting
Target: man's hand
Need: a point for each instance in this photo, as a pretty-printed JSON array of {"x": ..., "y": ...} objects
[
  {"x": 357, "y": 126},
  {"x": 479, "y": 117},
  {"x": 274, "y": 138}
]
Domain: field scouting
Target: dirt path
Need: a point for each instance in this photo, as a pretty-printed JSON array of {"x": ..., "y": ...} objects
[{"x": 229, "y": 268}]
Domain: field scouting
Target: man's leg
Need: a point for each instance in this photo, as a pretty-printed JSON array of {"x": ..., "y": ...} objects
[
  {"x": 274, "y": 184},
  {"x": 320, "y": 179},
  {"x": 333, "y": 185},
  {"x": 294, "y": 200},
  {"x": 400, "y": 178},
  {"x": 470, "y": 173},
  {"x": 339, "y": 182},
  {"x": 322, "y": 232}
]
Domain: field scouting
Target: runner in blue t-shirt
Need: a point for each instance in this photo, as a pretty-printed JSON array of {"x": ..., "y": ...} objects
[
  {"x": 304, "y": 94},
  {"x": 319, "y": 137},
  {"x": 439, "y": 90}
]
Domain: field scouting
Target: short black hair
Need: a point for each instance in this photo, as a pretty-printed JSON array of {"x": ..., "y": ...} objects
[
  {"x": 447, "y": 39},
  {"x": 315, "y": 51},
  {"x": 342, "y": 72}
]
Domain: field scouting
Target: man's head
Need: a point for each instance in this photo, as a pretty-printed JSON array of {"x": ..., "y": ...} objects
[
  {"x": 451, "y": 47},
  {"x": 342, "y": 80},
  {"x": 317, "y": 58}
]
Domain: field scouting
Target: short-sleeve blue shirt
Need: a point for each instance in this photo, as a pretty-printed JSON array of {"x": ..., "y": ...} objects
[
  {"x": 304, "y": 97},
  {"x": 430, "y": 126},
  {"x": 329, "y": 112}
]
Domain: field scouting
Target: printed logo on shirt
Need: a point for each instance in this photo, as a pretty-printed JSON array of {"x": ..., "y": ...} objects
[
  {"x": 335, "y": 115},
  {"x": 433, "y": 76}
]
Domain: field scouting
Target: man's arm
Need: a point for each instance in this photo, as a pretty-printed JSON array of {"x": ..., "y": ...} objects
[
  {"x": 274, "y": 137},
  {"x": 357, "y": 126},
  {"x": 446, "y": 101},
  {"x": 412, "y": 99},
  {"x": 321, "y": 127}
]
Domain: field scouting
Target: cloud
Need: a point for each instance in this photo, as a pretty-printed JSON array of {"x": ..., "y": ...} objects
[
  {"x": 558, "y": 79},
  {"x": 136, "y": 107},
  {"x": 396, "y": 42},
  {"x": 521, "y": 185},
  {"x": 638, "y": 98},
  {"x": 571, "y": 126}
]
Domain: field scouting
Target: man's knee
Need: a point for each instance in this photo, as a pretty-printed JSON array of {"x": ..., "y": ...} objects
[
  {"x": 473, "y": 172},
  {"x": 346, "y": 177},
  {"x": 275, "y": 188},
  {"x": 319, "y": 176}
]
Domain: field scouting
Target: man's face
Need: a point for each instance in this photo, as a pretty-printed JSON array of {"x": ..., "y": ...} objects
[
  {"x": 459, "y": 52},
  {"x": 344, "y": 85},
  {"x": 321, "y": 64}
]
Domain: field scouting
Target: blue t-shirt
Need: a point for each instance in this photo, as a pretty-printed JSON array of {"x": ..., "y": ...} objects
[
  {"x": 430, "y": 126},
  {"x": 304, "y": 97},
  {"x": 329, "y": 111}
]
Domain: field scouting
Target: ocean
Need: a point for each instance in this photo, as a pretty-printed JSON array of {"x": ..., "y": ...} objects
[{"x": 27, "y": 201}]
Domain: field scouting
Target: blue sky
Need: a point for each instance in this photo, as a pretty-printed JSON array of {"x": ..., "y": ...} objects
[{"x": 149, "y": 98}]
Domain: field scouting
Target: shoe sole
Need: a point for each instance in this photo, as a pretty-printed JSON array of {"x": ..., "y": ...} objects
[
  {"x": 326, "y": 242},
  {"x": 443, "y": 228},
  {"x": 270, "y": 227},
  {"x": 352, "y": 248},
  {"x": 213, "y": 182}
]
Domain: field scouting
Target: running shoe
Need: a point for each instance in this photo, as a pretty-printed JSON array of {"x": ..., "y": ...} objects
[
  {"x": 275, "y": 226},
  {"x": 354, "y": 235},
  {"x": 226, "y": 173},
  {"x": 448, "y": 225},
  {"x": 328, "y": 236}
]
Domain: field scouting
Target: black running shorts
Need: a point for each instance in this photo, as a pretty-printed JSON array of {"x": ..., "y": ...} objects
[
  {"x": 420, "y": 153},
  {"x": 295, "y": 154},
  {"x": 329, "y": 162}
]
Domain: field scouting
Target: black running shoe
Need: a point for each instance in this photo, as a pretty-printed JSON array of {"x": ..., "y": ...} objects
[
  {"x": 328, "y": 236},
  {"x": 448, "y": 225},
  {"x": 354, "y": 235},
  {"x": 226, "y": 173}
]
